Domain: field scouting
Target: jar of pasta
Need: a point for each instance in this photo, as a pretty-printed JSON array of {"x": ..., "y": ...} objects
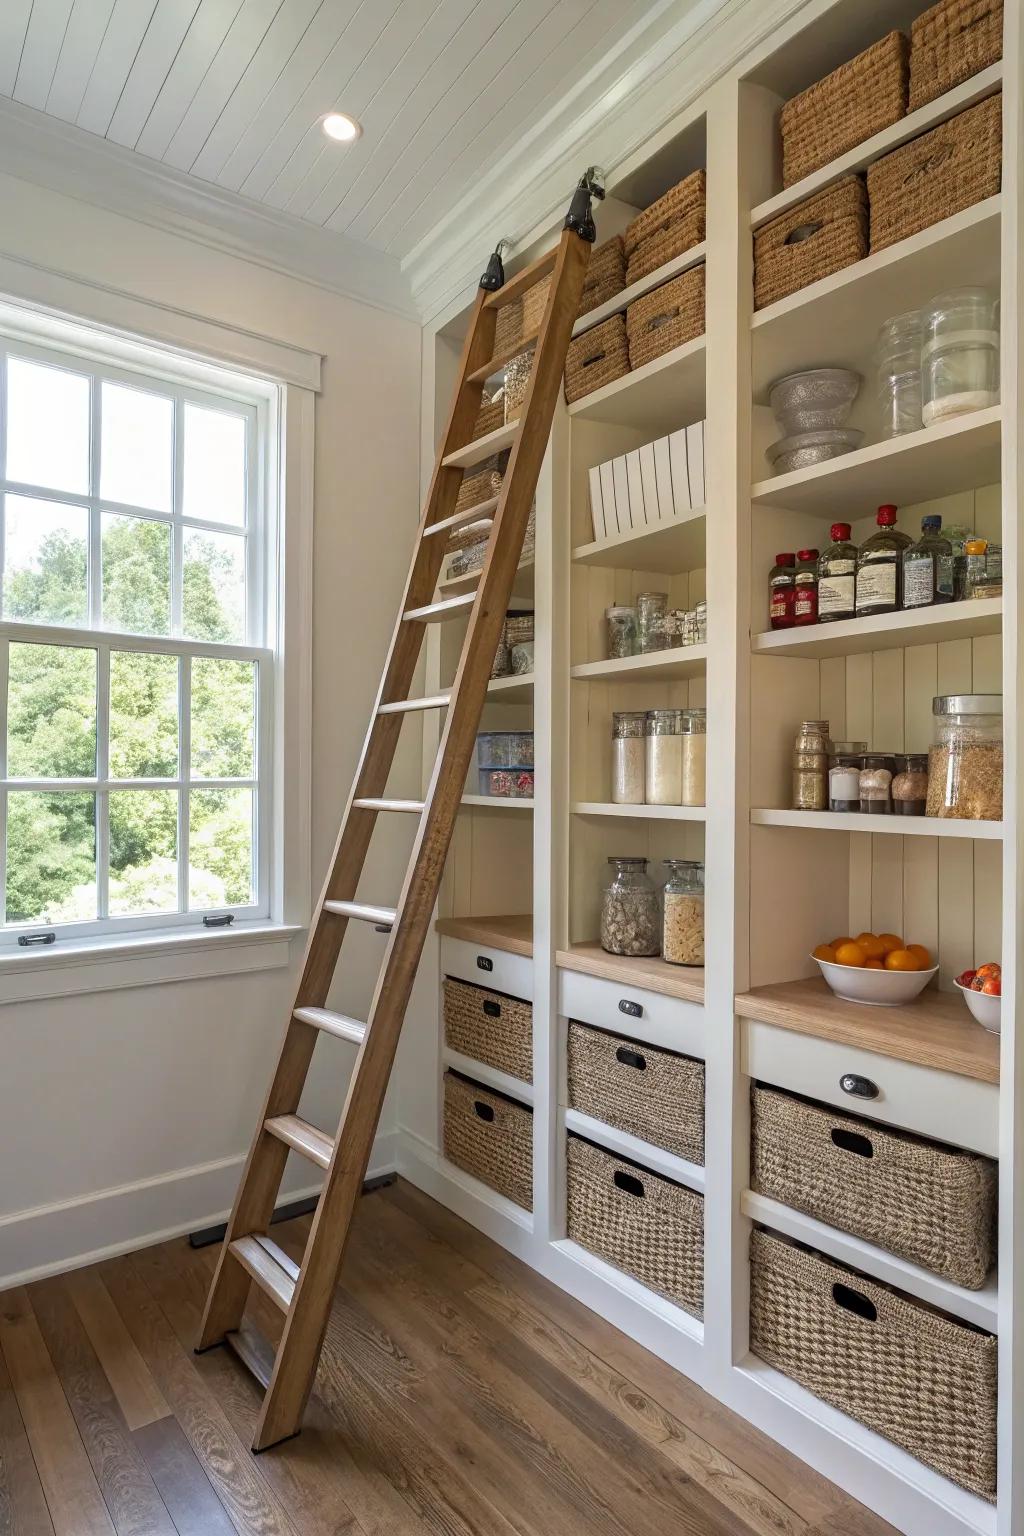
[{"x": 682, "y": 936}]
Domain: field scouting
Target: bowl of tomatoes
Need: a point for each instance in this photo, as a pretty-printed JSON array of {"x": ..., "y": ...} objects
[
  {"x": 875, "y": 968},
  {"x": 982, "y": 992}
]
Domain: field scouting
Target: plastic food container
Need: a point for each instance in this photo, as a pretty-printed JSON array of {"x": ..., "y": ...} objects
[
  {"x": 507, "y": 783},
  {"x": 965, "y": 764},
  {"x": 504, "y": 749},
  {"x": 898, "y": 355},
  {"x": 816, "y": 399},
  {"x": 960, "y": 354}
]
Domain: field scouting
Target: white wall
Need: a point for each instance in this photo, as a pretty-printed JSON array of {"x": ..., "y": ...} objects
[{"x": 127, "y": 1113}]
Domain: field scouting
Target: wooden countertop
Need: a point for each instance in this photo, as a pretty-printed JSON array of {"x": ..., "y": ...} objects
[
  {"x": 680, "y": 981},
  {"x": 935, "y": 1030},
  {"x": 514, "y": 934}
]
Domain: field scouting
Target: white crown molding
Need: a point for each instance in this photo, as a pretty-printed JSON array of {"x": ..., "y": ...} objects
[{"x": 42, "y": 149}]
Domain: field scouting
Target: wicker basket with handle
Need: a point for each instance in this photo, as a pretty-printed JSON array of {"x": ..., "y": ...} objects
[
  {"x": 489, "y": 1136},
  {"x": 490, "y": 417},
  {"x": 951, "y": 42},
  {"x": 490, "y": 1027},
  {"x": 508, "y": 327},
  {"x": 659, "y": 222},
  {"x": 858, "y": 99},
  {"x": 606, "y": 275},
  {"x": 816, "y": 238},
  {"x": 933, "y": 1205},
  {"x": 666, "y": 318},
  {"x": 651, "y": 1093},
  {"x": 534, "y": 302},
  {"x": 596, "y": 358},
  {"x": 955, "y": 165},
  {"x": 907, "y": 1371},
  {"x": 481, "y": 483}
]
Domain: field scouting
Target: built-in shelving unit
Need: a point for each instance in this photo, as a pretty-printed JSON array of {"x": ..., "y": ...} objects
[
  {"x": 671, "y": 545},
  {"x": 890, "y": 631},
  {"x": 654, "y": 398},
  {"x": 888, "y": 826},
  {"x": 679, "y": 662}
]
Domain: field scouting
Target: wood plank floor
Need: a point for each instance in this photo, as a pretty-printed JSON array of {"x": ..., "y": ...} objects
[{"x": 459, "y": 1395}]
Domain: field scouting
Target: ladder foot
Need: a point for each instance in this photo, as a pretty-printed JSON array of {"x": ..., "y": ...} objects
[
  {"x": 204, "y": 1349},
  {"x": 257, "y": 1450}
]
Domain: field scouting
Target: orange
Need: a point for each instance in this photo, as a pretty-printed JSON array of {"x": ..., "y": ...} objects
[
  {"x": 901, "y": 960},
  {"x": 891, "y": 941},
  {"x": 872, "y": 947},
  {"x": 921, "y": 955},
  {"x": 837, "y": 944},
  {"x": 874, "y": 965},
  {"x": 824, "y": 952},
  {"x": 850, "y": 953}
]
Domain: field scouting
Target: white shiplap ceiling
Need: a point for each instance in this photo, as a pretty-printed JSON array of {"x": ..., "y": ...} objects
[{"x": 232, "y": 92}]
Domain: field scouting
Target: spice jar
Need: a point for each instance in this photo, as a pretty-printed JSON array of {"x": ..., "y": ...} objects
[
  {"x": 620, "y": 632},
  {"x": 695, "y": 750},
  {"x": 876, "y": 784},
  {"x": 651, "y": 609},
  {"x": 960, "y": 354},
  {"x": 630, "y": 910},
  {"x": 628, "y": 757},
  {"x": 965, "y": 764},
  {"x": 682, "y": 936},
  {"x": 910, "y": 784},
  {"x": 663, "y": 777},
  {"x": 844, "y": 775},
  {"x": 810, "y": 766},
  {"x": 983, "y": 569}
]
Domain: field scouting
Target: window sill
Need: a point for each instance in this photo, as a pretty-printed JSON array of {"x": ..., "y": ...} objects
[{"x": 143, "y": 960}]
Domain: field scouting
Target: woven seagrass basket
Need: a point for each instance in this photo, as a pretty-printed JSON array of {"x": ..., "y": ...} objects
[
  {"x": 490, "y": 417},
  {"x": 517, "y": 380},
  {"x": 508, "y": 327},
  {"x": 481, "y": 483},
  {"x": 933, "y": 1205},
  {"x": 816, "y": 238},
  {"x": 654, "y": 1094},
  {"x": 596, "y": 358},
  {"x": 660, "y": 220},
  {"x": 951, "y": 42},
  {"x": 855, "y": 101},
  {"x": 666, "y": 318},
  {"x": 490, "y": 1137},
  {"x": 490, "y": 1027},
  {"x": 638, "y": 1221},
  {"x": 606, "y": 275},
  {"x": 920, "y": 1378},
  {"x": 955, "y": 165},
  {"x": 534, "y": 302}
]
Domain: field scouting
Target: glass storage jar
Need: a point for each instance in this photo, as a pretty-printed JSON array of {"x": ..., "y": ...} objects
[
  {"x": 844, "y": 775},
  {"x": 664, "y": 756},
  {"x": 876, "y": 784},
  {"x": 695, "y": 750},
  {"x": 810, "y": 766},
  {"x": 630, "y": 910},
  {"x": 965, "y": 764},
  {"x": 910, "y": 784},
  {"x": 628, "y": 757},
  {"x": 898, "y": 360},
  {"x": 960, "y": 354},
  {"x": 682, "y": 937},
  {"x": 651, "y": 612},
  {"x": 620, "y": 632}
]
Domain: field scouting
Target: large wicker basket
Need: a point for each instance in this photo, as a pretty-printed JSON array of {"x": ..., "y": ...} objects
[
  {"x": 534, "y": 303},
  {"x": 653, "y": 1094},
  {"x": 667, "y": 228},
  {"x": 816, "y": 238},
  {"x": 666, "y": 318},
  {"x": 638, "y": 1221},
  {"x": 596, "y": 358},
  {"x": 490, "y": 1137},
  {"x": 927, "y": 1203},
  {"x": 951, "y": 42},
  {"x": 490, "y": 1027},
  {"x": 490, "y": 417},
  {"x": 605, "y": 276},
  {"x": 855, "y": 101},
  {"x": 508, "y": 327},
  {"x": 481, "y": 483},
  {"x": 912, "y": 1374},
  {"x": 931, "y": 178}
]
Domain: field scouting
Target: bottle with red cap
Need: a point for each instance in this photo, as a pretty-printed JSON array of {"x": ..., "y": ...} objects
[
  {"x": 837, "y": 577},
  {"x": 880, "y": 567},
  {"x": 782, "y": 592},
  {"x": 805, "y": 597}
]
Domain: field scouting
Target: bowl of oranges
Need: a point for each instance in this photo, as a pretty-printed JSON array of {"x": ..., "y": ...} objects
[
  {"x": 875, "y": 968},
  {"x": 982, "y": 991}
]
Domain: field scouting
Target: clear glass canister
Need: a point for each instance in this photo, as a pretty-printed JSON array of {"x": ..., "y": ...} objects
[
  {"x": 628, "y": 757},
  {"x": 651, "y": 612},
  {"x": 965, "y": 764},
  {"x": 664, "y": 756},
  {"x": 898, "y": 361},
  {"x": 876, "y": 770},
  {"x": 844, "y": 775},
  {"x": 682, "y": 938},
  {"x": 960, "y": 354},
  {"x": 620, "y": 632},
  {"x": 810, "y": 766},
  {"x": 695, "y": 751},
  {"x": 630, "y": 910},
  {"x": 910, "y": 784}
]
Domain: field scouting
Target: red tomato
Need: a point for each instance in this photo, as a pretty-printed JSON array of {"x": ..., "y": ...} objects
[
  {"x": 966, "y": 977},
  {"x": 993, "y": 986}
]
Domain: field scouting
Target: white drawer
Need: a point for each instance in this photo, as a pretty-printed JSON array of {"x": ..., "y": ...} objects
[
  {"x": 942, "y": 1105},
  {"x": 664, "y": 1021},
  {"x": 499, "y": 970}
]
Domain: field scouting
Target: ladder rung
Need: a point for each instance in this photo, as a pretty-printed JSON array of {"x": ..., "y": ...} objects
[
  {"x": 302, "y": 1137},
  {"x": 278, "y": 1255},
  {"x": 525, "y": 279},
  {"x": 332, "y": 1023},
  {"x": 413, "y": 807},
  {"x": 269, "y": 1274},
  {"x": 438, "y": 613},
  {"x": 253, "y": 1351},
  {"x": 400, "y": 706},
  {"x": 481, "y": 513},
  {"x": 479, "y": 375},
  {"x": 361, "y": 912}
]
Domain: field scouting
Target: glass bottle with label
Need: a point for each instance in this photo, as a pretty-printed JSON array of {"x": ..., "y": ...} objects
[
  {"x": 879, "y": 565},
  {"x": 837, "y": 568},
  {"x": 928, "y": 567},
  {"x": 782, "y": 591},
  {"x": 805, "y": 596}
]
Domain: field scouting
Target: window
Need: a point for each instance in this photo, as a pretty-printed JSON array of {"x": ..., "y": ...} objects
[{"x": 135, "y": 675}]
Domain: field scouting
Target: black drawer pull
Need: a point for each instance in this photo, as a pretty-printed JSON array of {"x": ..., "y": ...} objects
[
  {"x": 485, "y": 1111},
  {"x": 491, "y": 1008},
  {"x": 627, "y": 1183},
  {"x": 631, "y": 1058},
  {"x": 484, "y": 963},
  {"x": 856, "y": 1302},
  {"x": 853, "y": 1141},
  {"x": 27, "y": 939},
  {"x": 627, "y": 1005},
  {"x": 860, "y": 1087}
]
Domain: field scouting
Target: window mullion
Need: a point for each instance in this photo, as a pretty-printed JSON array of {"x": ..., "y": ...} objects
[
  {"x": 184, "y": 774},
  {"x": 177, "y": 533},
  {"x": 4, "y": 660},
  {"x": 94, "y": 567},
  {"x": 102, "y": 812}
]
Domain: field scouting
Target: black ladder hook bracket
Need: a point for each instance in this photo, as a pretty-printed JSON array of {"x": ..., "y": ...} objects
[
  {"x": 580, "y": 217},
  {"x": 494, "y": 277}
]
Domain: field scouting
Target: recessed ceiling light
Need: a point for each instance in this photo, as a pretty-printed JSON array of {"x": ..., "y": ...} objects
[{"x": 337, "y": 125}]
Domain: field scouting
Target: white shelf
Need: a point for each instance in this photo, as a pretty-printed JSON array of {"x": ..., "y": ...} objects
[
  {"x": 665, "y": 1310},
  {"x": 482, "y": 448},
  {"x": 511, "y": 690},
  {"x": 672, "y": 545},
  {"x": 957, "y": 455},
  {"x": 499, "y": 802},
  {"x": 978, "y": 1307},
  {"x": 621, "y": 301},
  {"x": 490, "y": 1077},
  {"x": 893, "y": 826},
  {"x": 657, "y": 398},
  {"x": 681, "y": 661},
  {"x": 522, "y": 584},
  {"x": 622, "y": 1144},
  {"x": 918, "y": 626},
  {"x": 643, "y": 812}
]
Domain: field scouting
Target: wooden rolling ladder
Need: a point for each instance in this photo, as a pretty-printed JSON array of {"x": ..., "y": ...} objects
[{"x": 304, "y": 1292}]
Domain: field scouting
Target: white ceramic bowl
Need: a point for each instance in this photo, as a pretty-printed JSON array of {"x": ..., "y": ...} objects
[
  {"x": 881, "y": 989},
  {"x": 985, "y": 1008}
]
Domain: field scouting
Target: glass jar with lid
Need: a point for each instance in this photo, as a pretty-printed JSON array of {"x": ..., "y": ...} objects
[
  {"x": 898, "y": 358},
  {"x": 630, "y": 910},
  {"x": 694, "y": 725},
  {"x": 628, "y": 757},
  {"x": 876, "y": 770},
  {"x": 965, "y": 763},
  {"x": 844, "y": 775},
  {"x": 960, "y": 354},
  {"x": 651, "y": 612},
  {"x": 663, "y": 778},
  {"x": 810, "y": 766},
  {"x": 682, "y": 939},
  {"x": 620, "y": 631},
  {"x": 910, "y": 784}
]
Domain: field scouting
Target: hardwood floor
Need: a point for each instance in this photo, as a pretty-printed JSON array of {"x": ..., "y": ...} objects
[{"x": 459, "y": 1395}]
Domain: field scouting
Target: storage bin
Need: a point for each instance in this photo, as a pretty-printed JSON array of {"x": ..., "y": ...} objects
[
  {"x": 667, "y": 228},
  {"x": 910, "y": 1373},
  {"x": 506, "y": 783},
  {"x": 489, "y": 1136},
  {"x": 508, "y": 327},
  {"x": 951, "y": 42},
  {"x": 596, "y": 358},
  {"x": 653, "y": 1094},
  {"x": 490, "y": 417},
  {"x": 534, "y": 303},
  {"x": 490, "y": 1027},
  {"x": 606, "y": 275},
  {"x": 666, "y": 318},
  {"x": 504, "y": 749},
  {"x": 858, "y": 99},
  {"x": 481, "y": 483},
  {"x": 638, "y": 1221},
  {"x": 931, "y": 178},
  {"x": 931, "y": 1204},
  {"x": 816, "y": 238}
]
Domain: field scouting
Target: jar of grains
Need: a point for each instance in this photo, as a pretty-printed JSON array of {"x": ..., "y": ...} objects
[
  {"x": 965, "y": 764},
  {"x": 663, "y": 779},
  {"x": 810, "y": 766},
  {"x": 682, "y": 935},
  {"x": 695, "y": 745},
  {"x": 910, "y": 785},
  {"x": 628, "y": 757},
  {"x": 620, "y": 632},
  {"x": 651, "y": 612},
  {"x": 630, "y": 910},
  {"x": 844, "y": 775},
  {"x": 876, "y": 784}
]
